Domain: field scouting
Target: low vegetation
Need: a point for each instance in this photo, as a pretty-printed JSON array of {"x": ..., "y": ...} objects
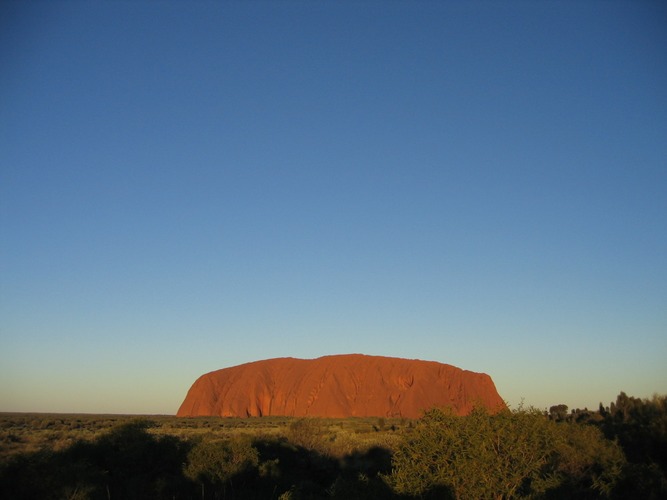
[{"x": 618, "y": 451}]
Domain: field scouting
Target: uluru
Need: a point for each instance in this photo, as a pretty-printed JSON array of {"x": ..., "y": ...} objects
[{"x": 346, "y": 385}]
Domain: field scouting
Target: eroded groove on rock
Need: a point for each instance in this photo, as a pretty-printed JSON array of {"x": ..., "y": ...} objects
[{"x": 347, "y": 385}]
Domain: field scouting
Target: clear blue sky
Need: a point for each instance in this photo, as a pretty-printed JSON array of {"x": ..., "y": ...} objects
[{"x": 186, "y": 186}]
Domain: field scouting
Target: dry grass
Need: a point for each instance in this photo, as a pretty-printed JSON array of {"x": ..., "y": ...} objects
[{"x": 31, "y": 432}]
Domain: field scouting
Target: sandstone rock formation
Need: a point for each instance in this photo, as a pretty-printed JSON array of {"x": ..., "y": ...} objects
[{"x": 352, "y": 385}]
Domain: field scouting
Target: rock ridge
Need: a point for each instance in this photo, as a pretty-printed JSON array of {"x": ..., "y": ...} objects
[{"x": 338, "y": 386}]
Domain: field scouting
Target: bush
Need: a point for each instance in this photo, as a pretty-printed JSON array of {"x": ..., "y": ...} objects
[
  {"x": 308, "y": 433},
  {"x": 585, "y": 463},
  {"x": 507, "y": 455},
  {"x": 218, "y": 464}
]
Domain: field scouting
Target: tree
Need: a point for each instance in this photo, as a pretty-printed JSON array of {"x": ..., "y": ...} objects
[
  {"x": 640, "y": 427},
  {"x": 558, "y": 412}
]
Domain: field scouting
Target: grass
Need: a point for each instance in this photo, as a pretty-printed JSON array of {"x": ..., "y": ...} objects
[{"x": 30, "y": 432}]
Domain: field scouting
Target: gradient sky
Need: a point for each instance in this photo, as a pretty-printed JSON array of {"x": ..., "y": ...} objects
[{"x": 186, "y": 186}]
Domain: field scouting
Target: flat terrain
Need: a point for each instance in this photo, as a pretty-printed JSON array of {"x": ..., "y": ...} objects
[
  {"x": 29, "y": 432},
  {"x": 613, "y": 453}
]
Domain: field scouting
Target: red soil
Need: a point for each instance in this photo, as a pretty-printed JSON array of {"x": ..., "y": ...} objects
[{"x": 352, "y": 385}]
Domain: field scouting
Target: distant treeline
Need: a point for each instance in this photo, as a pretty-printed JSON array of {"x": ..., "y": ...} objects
[{"x": 616, "y": 452}]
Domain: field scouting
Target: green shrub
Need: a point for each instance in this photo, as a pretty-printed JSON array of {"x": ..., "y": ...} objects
[
  {"x": 584, "y": 462},
  {"x": 217, "y": 464},
  {"x": 507, "y": 455},
  {"x": 308, "y": 433}
]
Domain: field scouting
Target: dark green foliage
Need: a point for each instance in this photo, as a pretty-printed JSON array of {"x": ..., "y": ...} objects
[
  {"x": 583, "y": 464},
  {"x": 507, "y": 455},
  {"x": 640, "y": 427},
  {"x": 558, "y": 412}
]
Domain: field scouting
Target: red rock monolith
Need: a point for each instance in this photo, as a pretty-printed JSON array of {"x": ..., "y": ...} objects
[{"x": 349, "y": 385}]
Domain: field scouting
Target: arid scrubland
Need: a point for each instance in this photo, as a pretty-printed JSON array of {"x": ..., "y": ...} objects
[
  {"x": 31, "y": 432},
  {"x": 618, "y": 451}
]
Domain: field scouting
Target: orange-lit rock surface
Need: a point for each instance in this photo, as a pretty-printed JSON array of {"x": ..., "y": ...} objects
[{"x": 351, "y": 385}]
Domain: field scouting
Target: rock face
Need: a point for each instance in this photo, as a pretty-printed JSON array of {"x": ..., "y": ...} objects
[{"x": 352, "y": 385}]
